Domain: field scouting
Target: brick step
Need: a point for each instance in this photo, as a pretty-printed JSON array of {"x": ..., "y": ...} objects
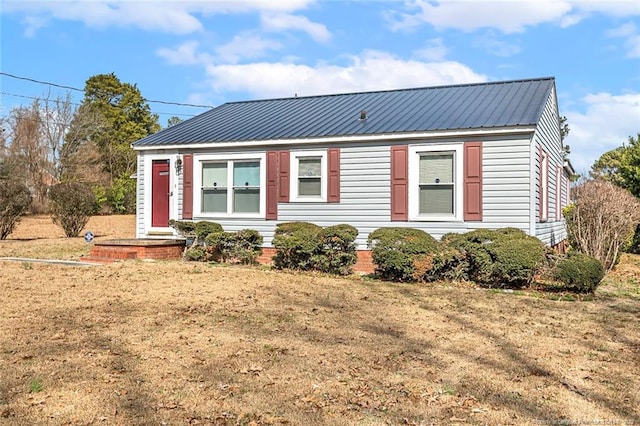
[{"x": 121, "y": 253}]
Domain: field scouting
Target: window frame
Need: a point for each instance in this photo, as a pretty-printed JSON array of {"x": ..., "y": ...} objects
[
  {"x": 295, "y": 156},
  {"x": 414, "y": 181},
  {"x": 199, "y": 160}
]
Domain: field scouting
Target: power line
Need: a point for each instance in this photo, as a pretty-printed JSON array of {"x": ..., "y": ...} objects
[
  {"x": 62, "y": 86},
  {"x": 72, "y": 103}
]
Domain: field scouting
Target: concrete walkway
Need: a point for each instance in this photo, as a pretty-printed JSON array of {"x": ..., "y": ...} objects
[{"x": 51, "y": 261}]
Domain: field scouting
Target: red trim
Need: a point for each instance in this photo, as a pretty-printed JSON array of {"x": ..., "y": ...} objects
[
  {"x": 187, "y": 186},
  {"x": 473, "y": 181},
  {"x": 333, "y": 181},
  {"x": 543, "y": 195},
  {"x": 272, "y": 185},
  {"x": 399, "y": 183},
  {"x": 283, "y": 176}
]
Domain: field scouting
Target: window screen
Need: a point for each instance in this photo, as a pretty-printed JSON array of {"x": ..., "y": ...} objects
[{"x": 436, "y": 181}]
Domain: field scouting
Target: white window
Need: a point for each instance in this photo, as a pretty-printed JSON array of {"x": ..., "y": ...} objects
[
  {"x": 309, "y": 176},
  {"x": 544, "y": 187},
  {"x": 230, "y": 187},
  {"x": 435, "y": 182}
]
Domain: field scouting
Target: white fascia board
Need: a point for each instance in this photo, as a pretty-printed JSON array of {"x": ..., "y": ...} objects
[{"x": 344, "y": 139}]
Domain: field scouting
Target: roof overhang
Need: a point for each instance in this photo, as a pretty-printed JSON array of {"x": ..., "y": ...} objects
[
  {"x": 568, "y": 167},
  {"x": 470, "y": 133}
]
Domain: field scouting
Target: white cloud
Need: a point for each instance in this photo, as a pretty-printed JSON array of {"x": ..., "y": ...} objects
[
  {"x": 176, "y": 17},
  {"x": 508, "y": 17},
  {"x": 185, "y": 54},
  {"x": 246, "y": 45},
  {"x": 494, "y": 46},
  {"x": 505, "y": 16},
  {"x": 371, "y": 70},
  {"x": 285, "y": 21},
  {"x": 434, "y": 50},
  {"x": 605, "y": 123},
  {"x": 630, "y": 33}
]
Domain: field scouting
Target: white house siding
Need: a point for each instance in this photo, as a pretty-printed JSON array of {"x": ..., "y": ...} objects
[
  {"x": 366, "y": 190},
  {"x": 140, "y": 231},
  {"x": 548, "y": 137}
]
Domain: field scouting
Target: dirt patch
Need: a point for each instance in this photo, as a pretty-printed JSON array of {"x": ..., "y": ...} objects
[{"x": 185, "y": 343}]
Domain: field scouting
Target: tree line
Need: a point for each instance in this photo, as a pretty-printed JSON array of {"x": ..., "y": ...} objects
[{"x": 52, "y": 141}]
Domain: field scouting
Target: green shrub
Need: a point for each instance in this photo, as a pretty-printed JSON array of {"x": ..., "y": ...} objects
[
  {"x": 242, "y": 247},
  {"x": 72, "y": 203},
  {"x": 295, "y": 244},
  {"x": 204, "y": 228},
  {"x": 15, "y": 199},
  {"x": 394, "y": 250},
  {"x": 121, "y": 195},
  {"x": 446, "y": 264},
  {"x": 336, "y": 253},
  {"x": 498, "y": 258},
  {"x": 186, "y": 229},
  {"x": 579, "y": 272},
  {"x": 248, "y": 246},
  {"x": 195, "y": 254}
]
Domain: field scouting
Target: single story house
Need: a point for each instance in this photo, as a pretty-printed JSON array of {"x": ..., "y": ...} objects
[{"x": 442, "y": 159}]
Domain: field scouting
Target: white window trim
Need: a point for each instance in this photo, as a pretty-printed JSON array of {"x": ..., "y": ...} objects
[
  {"x": 558, "y": 193},
  {"x": 295, "y": 156},
  {"x": 414, "y": 184},
  {"x": 198, "y": 160},
  {"x": 173, "y": 199}
]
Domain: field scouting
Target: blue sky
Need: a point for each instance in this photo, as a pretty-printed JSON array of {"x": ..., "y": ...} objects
[{"x": 211, "y": 52}]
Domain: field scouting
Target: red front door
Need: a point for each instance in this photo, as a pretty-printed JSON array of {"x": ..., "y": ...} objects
[{"x": 160, "y": 194}]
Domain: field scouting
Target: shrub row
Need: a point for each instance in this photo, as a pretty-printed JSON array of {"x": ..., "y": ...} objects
[
  {"x": 503, "y": 258},
  {"x": 305, "y": 246}
]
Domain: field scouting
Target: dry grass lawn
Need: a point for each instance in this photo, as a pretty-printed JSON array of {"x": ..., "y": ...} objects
[{"x": 183, "y": 343}]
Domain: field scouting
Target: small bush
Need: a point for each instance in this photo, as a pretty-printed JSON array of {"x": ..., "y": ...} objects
[
  {"x": 504, "y": 257},
  {"x": 195, "y": 254},
  {"x": 121, "y": 195},
  {"x": 579, "y": 272},
  {"x": 446, "y": 264},
  {"x": 395, "y": 249},
  {"x": 204, "y": 228},
  {"x": 336, "y": 253},
  {"x": 15, "y": 199},
  {"x": 242, "y": 247},
  {"x": 295, "y": 244},
  {"x": 186, "y": 229},
  {"x": 72, "y": 203}
]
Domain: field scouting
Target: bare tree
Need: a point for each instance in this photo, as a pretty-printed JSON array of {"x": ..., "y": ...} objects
[{"x": 56, "y": 115}]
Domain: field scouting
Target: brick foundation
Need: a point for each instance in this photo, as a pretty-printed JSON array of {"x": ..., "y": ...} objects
[
  {"x": 364, "y": 264},
  {"x": 105, "y": 251},
  {"x": 561, "y": 247}
]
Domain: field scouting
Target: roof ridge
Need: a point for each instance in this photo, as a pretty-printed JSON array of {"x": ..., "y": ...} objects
[{"x": 406, "y": 89}]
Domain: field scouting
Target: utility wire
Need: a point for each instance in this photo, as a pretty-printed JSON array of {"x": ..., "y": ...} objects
[
  {"x": 62, "y": 86},
  {"x": 72, "y": 103}
]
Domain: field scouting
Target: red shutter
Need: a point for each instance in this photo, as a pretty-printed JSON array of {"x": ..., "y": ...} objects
[
  {"x": 399, "y": 183},
  {"x": 333, "y": 181},
  {"x": 473, "y": 181},
  {"x": 283, "y": 176},
  {"x": 272, "y": 185},
  {"x": 187, "y": 186}
]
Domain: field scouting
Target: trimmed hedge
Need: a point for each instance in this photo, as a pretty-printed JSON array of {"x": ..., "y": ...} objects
[
  {"x": 336, "y": 253},
  {"x": 579, "y": 272},
  {"x": 305, "y": 246},
  {"x": 497, "y": 258},
  {"x": 242, "y": 247},
  {"x": 394, "y": 250},
  {"x": 295, "y": 244}
]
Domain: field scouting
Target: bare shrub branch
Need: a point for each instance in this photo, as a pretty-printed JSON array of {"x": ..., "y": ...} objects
[{"x": 602, "y": 220}]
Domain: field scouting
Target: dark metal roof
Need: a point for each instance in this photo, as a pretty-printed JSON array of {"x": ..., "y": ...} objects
[{"x": 459, "y": 107}]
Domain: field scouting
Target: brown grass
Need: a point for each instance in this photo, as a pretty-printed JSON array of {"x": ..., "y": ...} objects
[{"x": 185, "y": 343}]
